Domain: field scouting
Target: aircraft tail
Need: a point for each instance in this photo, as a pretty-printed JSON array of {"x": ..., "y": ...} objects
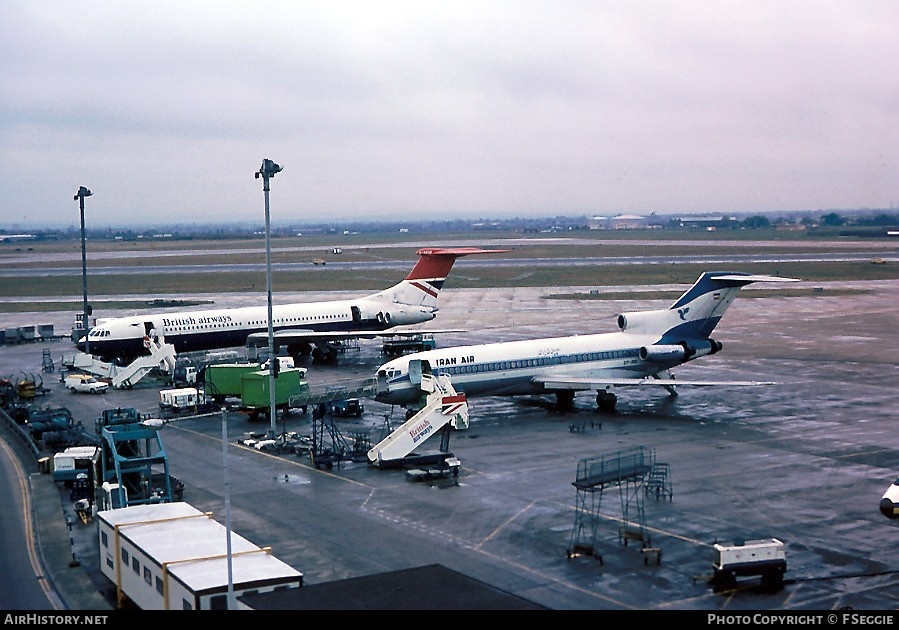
[
  {"x": 422, "y": 285},
  {"x": 696, "y": 313}
]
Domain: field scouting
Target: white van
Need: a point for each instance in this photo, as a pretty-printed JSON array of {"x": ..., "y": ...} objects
[{"x": 85, "y": 383}]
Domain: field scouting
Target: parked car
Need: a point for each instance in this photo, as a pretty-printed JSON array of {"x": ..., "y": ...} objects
[
  {"x": 85, "y": 383},
  {"x": 346, "y": 408}
]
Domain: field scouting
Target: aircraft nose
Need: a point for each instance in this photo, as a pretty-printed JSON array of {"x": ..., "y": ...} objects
[{"x": 888, "y": 508}]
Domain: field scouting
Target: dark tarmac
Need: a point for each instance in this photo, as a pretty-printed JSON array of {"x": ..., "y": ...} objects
[{"x": 805, "y": 461}]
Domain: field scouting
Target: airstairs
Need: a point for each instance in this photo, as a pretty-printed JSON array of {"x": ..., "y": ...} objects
[
  {"x": 444, "y": 408},
  {"x": 162, "y": 356}
]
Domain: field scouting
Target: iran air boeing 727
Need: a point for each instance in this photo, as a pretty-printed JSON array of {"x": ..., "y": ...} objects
[
  {"x": 303, "y": 328},
  {"x": 648, "y": 345}
]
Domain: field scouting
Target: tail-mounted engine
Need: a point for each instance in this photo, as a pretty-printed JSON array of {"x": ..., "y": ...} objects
[
  {"x": 394, "y": 315},
  {"x": 648, "y": 321},
  {"x": 683, "y": 351}
]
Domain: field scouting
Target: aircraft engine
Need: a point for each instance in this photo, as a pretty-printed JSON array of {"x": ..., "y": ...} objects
[
  {"x": 685, "y": 350},
  {"x": 701, "y": 347},
  {"x": 645, "y": 321},
  {"x": 663, "y": 353},
  {"x": 399, "y": 316}
]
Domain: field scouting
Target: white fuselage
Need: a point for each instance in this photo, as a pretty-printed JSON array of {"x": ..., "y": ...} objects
[
  {"x": 123, "y": 337},
  {"x": 510, "y": 368},
  {"x": 649, "y": 343}
]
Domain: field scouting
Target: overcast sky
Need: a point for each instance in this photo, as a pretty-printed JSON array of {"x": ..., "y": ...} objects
[{"x": 422, "y": 110}]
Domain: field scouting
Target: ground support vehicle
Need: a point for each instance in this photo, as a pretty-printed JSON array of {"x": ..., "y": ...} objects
[
  {"x": 183, "y": 401},
  {"x": 766, "y": 558},
  {"x": 398, "y": 346},
  {"x": 85, "y": 383},
  {"x": 223, "y": 380},
  {"x": 351, "y": 407},
  {"x": 255, "y": 400}
]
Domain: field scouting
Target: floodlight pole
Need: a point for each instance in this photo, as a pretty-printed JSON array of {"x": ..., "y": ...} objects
[
  {"x": 232, "y": 605},
  {"x": 267, "y": 171},
  {"x": 79, "y": 196}
]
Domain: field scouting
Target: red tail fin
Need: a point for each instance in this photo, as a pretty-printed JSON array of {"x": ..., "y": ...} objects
[{"x": 435, "y": 262}]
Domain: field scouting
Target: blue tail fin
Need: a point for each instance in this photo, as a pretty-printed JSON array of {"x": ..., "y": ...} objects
[{"x": 695, "y": 313}]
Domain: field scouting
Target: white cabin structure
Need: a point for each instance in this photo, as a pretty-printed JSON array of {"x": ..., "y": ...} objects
[{"x": 172, "y": 556}]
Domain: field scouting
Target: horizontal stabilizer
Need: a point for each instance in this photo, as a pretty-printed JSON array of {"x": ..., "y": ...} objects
[{"x": 755, "y": 278}]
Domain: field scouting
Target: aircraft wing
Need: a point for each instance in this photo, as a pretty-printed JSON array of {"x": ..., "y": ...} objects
[
  {"x": 585, "y": 383},
  {"x": 298, "y": 335}
]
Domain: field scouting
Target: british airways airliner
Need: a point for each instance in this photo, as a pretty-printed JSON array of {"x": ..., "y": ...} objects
[
  {"x": 648, "y": 345},
  {"x": 304, "y": 328}
]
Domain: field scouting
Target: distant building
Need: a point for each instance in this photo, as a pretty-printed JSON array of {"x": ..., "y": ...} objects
[
  {"x": 701, "y": 222},
  {"x": 8, "y": 238}
]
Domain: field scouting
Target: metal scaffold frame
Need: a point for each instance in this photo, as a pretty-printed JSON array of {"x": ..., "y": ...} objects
[{"x": 628, "y": 471}]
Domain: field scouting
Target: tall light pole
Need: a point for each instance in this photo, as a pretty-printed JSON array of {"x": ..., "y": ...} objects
[
  {"x": 267, "y": 171},
  {"x": 79, "y": 196},
  {"x": 228, "y": 552}
]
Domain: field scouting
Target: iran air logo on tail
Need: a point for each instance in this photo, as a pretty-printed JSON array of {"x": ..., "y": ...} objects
[{"x": 683, "y": 313}]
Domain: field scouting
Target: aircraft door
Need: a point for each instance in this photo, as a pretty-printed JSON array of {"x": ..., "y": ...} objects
[
  {"x": 357, "y": 314},
  {"x": 150, "y": 332},
  {"x": 417, "y": 367}
]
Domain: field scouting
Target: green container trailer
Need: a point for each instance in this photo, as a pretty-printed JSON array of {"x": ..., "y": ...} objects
[
  {"x": 221, "y": 380},
  {"x": 254, "y": 394}
]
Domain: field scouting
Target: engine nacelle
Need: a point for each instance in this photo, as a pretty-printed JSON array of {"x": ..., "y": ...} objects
[
  {"x": 398, "y": 315},
  {"x": 663, "y": 353},
  {"x": 388, "y": 315},
  {"x": 683, "y": 351},
  {"x": 646, "y": 321},
  {"x": 706, "y": 346}
]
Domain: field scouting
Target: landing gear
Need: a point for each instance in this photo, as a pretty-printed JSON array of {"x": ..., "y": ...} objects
[
  {"x": 605, "y": 401},
  {"x": 297, "y": 351},
  {"x": 565, "y": 399},
  {"x": 327, "y": 352}
]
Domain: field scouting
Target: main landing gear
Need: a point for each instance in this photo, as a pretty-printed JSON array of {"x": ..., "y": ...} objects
[
  {"x": 605, "y": 401},
  {"x": 565, "y": 399}
]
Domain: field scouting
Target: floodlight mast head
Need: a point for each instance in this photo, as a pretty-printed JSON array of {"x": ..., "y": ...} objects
[
  {"x": 85, "y": 192},
  {"x": 268, "y": 169}
]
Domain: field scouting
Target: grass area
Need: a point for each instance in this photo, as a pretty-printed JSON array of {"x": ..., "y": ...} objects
[
  {"x": 306, "y": 250},
  {"x": 480, "y": 276},
  {"x": 100, "y": 305},
  {"x": 673, "y": 295},
  {"x": 478, "y": 272}
]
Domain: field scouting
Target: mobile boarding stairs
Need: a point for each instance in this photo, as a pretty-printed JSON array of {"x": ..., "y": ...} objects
[
  {"x": 444, "y": 409},
  {"x": 162, "y": 356}
]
